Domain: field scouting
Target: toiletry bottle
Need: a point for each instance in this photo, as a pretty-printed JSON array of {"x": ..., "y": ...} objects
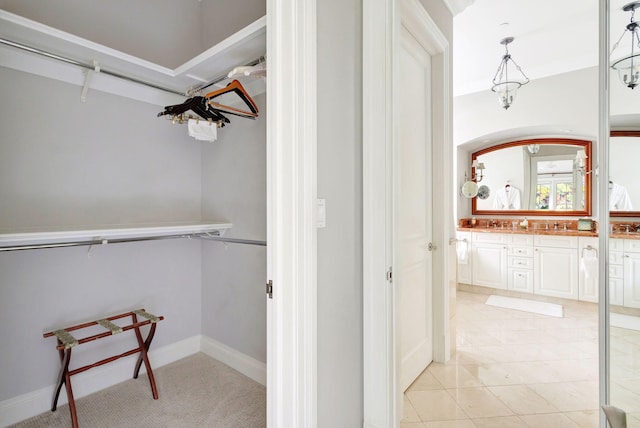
[{"x": 524, "y": 224}]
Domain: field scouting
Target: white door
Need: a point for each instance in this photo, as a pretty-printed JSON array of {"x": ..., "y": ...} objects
[{"x": 412, "y": 211}]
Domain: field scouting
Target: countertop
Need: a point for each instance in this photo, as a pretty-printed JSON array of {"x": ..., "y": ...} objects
[{"x": 560, "y": 232}]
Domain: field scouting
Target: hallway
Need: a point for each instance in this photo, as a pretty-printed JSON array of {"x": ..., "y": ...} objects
[{"x": 512, "y": 369}]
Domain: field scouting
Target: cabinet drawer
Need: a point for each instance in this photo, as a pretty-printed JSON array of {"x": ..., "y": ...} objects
[
  {"x": 616, "y": 271},
  {"x": 521, "y": 262},
  {"x": 616, "y": 258},
  {"x": 489, "y": 237},
  {"x": 522, "y": 240},
  {"x": 556, "y": 241},
  {"x": 521, "y": 251},
  {"x": 632, "y": 245},
  {"x": 521, "y": 280},
  {"x": 616, "y": 245}
]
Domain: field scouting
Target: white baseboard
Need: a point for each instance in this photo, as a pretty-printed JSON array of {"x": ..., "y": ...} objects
[
  {"x": 33, "y": 403},
  {"x": 248, "y": 366}
]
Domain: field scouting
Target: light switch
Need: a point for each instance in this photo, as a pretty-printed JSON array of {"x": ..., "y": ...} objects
[{"x": 321, "y": 216}]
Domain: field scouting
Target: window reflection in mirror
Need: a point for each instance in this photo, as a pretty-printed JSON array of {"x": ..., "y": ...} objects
[{"x": 537, "y": 176}]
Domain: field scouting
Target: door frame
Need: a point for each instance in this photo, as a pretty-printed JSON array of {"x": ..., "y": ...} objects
[
  {"x": 381, "y": 23},
  {"x": 291, "y": 217}
]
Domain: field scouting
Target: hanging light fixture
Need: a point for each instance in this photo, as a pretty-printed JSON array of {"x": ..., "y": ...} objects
[
  {"x": 628, "y": 67},
  {"x": 505, "y": 84}
]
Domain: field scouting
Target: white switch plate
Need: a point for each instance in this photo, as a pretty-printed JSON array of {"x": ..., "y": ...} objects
[{"x": 321, "y": 216}]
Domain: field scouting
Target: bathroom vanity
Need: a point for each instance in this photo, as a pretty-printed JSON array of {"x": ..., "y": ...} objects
[{"x": 548, "y": 261}]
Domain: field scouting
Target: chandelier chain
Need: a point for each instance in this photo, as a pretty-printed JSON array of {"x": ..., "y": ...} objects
[{"x": 615, "y": 45}]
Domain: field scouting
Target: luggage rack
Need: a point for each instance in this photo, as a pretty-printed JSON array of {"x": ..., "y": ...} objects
[{"x": 66, "y": 342}]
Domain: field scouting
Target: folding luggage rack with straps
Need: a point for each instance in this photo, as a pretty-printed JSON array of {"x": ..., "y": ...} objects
[{"x": 66, "y": 342}]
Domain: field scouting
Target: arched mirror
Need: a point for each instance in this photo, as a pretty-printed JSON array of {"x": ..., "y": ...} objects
[
  {"x": 543, "y": 176},
  {"x": 624, "y": 194}
]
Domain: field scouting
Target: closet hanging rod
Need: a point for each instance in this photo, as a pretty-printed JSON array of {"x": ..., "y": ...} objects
[
  {"x": 83, "y": 65},
  {"x": 233, "y": 240},
  {"x": 223, "y": 77},
  {"x": 102, "y": 242}
]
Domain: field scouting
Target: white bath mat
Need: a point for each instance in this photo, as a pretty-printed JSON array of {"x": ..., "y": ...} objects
[
  {"x": 533, "y": 306},
  {"x": 625, "y": 321}
]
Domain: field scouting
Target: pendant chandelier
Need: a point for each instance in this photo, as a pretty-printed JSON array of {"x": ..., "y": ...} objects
[
  {"x": 628, "y": 67},
  {"x": 506, "y": 82}
]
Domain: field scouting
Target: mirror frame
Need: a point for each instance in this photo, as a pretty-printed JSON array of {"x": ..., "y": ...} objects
[
  {"x": 586, "y": 144},
  {"x": 629, "y": 133}
]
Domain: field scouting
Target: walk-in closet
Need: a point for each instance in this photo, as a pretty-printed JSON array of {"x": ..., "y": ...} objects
[{"x": 116, "y": 196}]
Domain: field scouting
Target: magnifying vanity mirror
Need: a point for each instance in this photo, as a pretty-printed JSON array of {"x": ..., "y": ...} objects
[
  {"x": 624, "y": 194},
  {"x": 544, "y": 176}
]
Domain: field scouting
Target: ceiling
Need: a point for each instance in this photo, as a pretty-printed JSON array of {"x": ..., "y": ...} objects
[{"x": 551, "y": 37}]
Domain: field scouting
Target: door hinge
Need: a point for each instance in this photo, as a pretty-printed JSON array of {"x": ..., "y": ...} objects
[
  {"x": 269, "y": 289},
  {"x": 390, "y": 275}
]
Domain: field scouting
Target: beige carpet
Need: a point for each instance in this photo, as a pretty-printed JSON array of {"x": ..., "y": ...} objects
[{"x": 197, "y": 391}]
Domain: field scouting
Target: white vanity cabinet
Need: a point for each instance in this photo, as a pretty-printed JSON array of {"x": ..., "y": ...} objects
[
  {"x": 556, "y": 266},
  {"x": 463, "y": 245},
  {"x": 550, "y": 265},
  {"x": 489, "y": 259},
  {"x": 588, "y": 271},
  {"x": 631, "y": 292},
  {"x": 616, "y": 272},
  {"x": 520, "y": 263}
]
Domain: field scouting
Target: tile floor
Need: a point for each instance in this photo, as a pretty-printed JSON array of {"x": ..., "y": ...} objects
[{"x": 518, "y": 369}]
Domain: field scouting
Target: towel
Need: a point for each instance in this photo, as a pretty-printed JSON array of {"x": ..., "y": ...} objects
[
  {"x": 619, "y": 199},
  {"x": 507, "y": 198},
  {"x": 589, "y": 262},
  {"x": 462, "y": 250},
  {"x": 203, "y": 130}
]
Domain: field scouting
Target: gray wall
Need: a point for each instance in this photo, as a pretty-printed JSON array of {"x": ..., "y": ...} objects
[
  {"x": 234, "y": 189},
  {"x": 340, "y": 394},
  {"x": 64, "y": 163},
  {"x": 109, "y": 160}
]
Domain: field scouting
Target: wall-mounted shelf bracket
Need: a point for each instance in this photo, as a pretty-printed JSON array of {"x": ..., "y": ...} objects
[{"x": 87, "y": 80}]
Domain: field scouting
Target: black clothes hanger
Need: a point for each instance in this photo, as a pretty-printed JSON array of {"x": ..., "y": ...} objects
[{"x": 199, "y": 106}]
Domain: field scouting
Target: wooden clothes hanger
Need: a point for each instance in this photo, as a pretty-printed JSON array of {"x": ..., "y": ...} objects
[{"x": 237, "y": 88}]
